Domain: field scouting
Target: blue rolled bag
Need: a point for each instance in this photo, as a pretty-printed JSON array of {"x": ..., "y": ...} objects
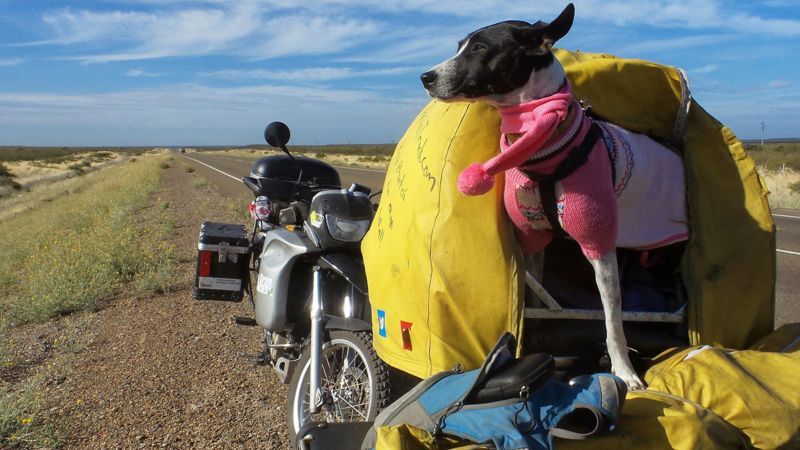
[{"x": 508, "y": 403}]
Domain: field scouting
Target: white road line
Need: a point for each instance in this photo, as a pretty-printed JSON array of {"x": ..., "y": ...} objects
[
  {"x": 214, "y": 168},
  {"x": 788, "y": 217},
  {"x": 361, "y": 169},
  {"x": 787, "y": 251}
]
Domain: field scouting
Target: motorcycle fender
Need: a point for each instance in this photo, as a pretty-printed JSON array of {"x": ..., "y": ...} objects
[
  {"x": 282, "y": 248},
  {"x": 348, "y": 266}
]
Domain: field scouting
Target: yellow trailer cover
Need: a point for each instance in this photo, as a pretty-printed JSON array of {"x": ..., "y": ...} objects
[{"x": 443, "y": 268}]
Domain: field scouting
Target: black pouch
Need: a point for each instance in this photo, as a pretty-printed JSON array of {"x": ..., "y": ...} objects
[{"x": 529, "y": 372}]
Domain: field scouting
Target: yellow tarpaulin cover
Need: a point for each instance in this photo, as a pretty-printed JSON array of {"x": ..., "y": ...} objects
[
  {"x": 710, "y": 398},
  {"x": 442, "y": 267}
]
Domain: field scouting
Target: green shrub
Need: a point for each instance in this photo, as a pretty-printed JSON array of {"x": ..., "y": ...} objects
[
  {"x": 6, "y": 180},
  {"x": 775, "y": 156},
  {"x": 4, "y": 172},
  {"x": 20, "y": 424},
  {"x": 79, "y": 167},
  {"x": 198, "y": 182}
]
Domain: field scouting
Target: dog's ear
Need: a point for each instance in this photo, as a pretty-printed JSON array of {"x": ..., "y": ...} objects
[{"x": 547, "y": 34}]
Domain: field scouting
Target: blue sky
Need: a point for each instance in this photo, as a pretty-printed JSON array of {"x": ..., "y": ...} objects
[{"x": 214, "y": 72}]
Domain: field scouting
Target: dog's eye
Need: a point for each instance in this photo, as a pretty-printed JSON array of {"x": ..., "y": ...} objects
[{"x": 477, "y": 47}]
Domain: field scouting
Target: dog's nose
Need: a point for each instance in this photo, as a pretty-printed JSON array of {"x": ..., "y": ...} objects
[{"x": 428, "y": 78}]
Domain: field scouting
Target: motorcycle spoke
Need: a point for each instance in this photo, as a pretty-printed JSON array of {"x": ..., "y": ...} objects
[
  {"x": 353, "y": 408},
  {"x": 346, "y": 386}
]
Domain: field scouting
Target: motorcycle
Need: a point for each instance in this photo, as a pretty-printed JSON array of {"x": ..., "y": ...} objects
[{"x": 311, "y": 293}]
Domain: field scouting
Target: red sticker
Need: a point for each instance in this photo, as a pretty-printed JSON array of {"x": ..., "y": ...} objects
[{"x": 405, "y": 328}]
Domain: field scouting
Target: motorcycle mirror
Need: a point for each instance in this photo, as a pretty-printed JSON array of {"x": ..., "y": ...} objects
[{"x": 277, "y": 134}]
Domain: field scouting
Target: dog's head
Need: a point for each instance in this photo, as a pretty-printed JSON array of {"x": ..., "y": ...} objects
[{"x": 497, "y": 60}]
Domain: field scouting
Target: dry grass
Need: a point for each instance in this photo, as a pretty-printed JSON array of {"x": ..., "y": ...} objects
[
  {"x": 31, "y": 174},
  {"x": 52, "y": 154},
  {"x": 70, "y": 253},
  {"x": 199, "y": 182},
  {"x": 784, "y": 192}
]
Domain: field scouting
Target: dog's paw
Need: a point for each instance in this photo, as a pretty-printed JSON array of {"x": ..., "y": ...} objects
[{"x": 632, "y": 380}]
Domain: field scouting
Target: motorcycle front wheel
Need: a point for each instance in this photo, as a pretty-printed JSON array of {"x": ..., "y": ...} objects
[{"x": 353, "y": 380}]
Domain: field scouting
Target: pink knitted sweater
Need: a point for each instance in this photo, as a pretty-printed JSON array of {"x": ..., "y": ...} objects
[{"x": 587, "y": 199}]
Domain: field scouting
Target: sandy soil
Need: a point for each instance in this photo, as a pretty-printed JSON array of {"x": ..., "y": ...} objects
[{"x": 30, "y": 173}]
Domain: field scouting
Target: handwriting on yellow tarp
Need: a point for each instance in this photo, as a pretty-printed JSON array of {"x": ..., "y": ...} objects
[{"x": 398, "y": 175}]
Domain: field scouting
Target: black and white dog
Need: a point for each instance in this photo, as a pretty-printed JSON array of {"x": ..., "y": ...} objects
[{"x": 510, "y": 65}]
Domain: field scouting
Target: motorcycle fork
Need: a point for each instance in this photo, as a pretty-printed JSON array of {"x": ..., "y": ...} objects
[{"x": 314, "y": 391}]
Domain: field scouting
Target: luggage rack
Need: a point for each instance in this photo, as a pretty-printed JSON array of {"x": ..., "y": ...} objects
[{"x": 549, "y": 308}]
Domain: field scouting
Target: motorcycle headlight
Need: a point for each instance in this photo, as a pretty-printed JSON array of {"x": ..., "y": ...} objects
[{"x": 346, "y": 230}]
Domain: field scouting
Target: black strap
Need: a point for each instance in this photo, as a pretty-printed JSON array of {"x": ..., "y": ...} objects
[
  {"x": 596, "y": 424},
  {"x": 547, "y": 183}
]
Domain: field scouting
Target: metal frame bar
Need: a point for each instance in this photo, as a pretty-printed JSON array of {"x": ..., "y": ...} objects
[{"x": 551, "y": 309}]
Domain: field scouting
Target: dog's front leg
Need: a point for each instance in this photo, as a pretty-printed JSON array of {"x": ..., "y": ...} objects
[{"x": 607, "y": 276}]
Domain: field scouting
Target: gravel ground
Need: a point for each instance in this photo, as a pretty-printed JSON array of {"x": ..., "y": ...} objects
[{"x": 169, "y": 371}]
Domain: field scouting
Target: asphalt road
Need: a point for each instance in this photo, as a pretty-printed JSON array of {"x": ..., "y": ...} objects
[{"x": 226, "y": 173}]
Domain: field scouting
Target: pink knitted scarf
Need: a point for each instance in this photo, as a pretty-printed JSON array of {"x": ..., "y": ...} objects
[
  {"x": 653, "y": 211},
  {"x": 536, "y": 122}
]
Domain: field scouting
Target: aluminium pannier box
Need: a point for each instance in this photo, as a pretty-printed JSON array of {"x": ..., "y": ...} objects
[{"x": 223, "y": 259}]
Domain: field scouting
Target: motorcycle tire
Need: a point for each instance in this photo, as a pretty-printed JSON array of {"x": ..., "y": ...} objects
[{"x": 349, "y": 364}]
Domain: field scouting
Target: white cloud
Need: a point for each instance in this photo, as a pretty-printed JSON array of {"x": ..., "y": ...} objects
[
  {"x": 680, "y": 43},
  {"x": 711, "y": 68},
  {"x": 170, "y": 115},
  {"x": 8, "y": 62},
  {"x": 308, "y": 35},
  {"x": 310, "y": 74},
  {"x": 759, "y": 25},
  {"x": 408, "y": 46},
  {"x": 262, "y": 29},
  {"x": 779, "y": 84},
  {"x": 152, "y": 35},
  {"x": 138, "y": 73},
  {"x": 239, "y": 28}
]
